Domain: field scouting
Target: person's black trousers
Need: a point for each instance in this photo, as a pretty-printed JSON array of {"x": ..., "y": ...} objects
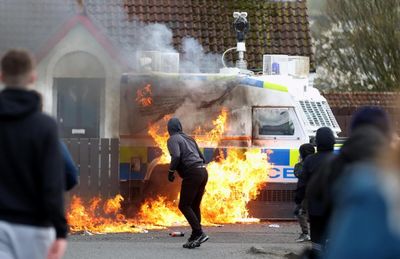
[
  {"x": 317, "y": 232},
  {"x": 192, "y": 191}
]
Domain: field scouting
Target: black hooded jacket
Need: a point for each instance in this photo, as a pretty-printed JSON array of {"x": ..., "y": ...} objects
[
  {"x": 325, "y": 141},
  {"x": 305, "y": 150},
  {"x": 31, "y": 167},
  {"x": 364, "y": 145},
  {"x": 184, "y": 151}
]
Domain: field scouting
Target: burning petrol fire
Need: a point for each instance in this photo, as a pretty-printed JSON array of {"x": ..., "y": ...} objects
[
  {"x": 161, "y": 140},
  {"x": 233, "y": 181},
  {"x": 211, "y": 138},
  {"x": 100, "y": 219}
]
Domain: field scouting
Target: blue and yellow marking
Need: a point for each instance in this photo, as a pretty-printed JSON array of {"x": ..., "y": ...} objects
[
  {"x": 278, "y": 157},
  {"x": 263, "y": 84}
]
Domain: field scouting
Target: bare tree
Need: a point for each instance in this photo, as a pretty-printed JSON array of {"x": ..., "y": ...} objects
[{"x": 359, "y": 49}]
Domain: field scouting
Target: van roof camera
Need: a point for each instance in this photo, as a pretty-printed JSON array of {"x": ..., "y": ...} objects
[{"x": 241, "y": 25}]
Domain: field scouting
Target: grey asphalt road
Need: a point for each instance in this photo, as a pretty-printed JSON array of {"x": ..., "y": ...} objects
[{"x": 229, "y": 241}]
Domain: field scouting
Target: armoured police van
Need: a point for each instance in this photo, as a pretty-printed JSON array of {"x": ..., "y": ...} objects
[{"x": 275, "y": 111}]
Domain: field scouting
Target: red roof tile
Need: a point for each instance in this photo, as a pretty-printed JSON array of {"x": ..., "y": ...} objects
[
  {"x": 276, "y": 27},
  {"x": 387, "y": 100}
]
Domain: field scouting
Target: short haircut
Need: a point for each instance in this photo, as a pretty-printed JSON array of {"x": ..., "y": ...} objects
[{"x": 16, "y": 65}]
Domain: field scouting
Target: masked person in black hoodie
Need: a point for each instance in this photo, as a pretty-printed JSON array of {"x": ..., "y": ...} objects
[
  {"x": 312, "y": 167},
  {"x": 32, "y": 220},
  {"x": 300, "y": 212},
  {"x": 189, "y": 162}
]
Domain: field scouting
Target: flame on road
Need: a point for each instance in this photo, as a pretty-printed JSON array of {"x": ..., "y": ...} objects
[
  {"x": 161, "y": 212},
  {"x": 95, "y": 218},
  {"x": 233, "y": 181}
]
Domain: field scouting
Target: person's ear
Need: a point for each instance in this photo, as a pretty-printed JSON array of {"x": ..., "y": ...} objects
[{"x": 32, "y": 77}]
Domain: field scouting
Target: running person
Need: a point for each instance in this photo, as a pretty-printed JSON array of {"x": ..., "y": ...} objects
[{"x": 189, "y": 162}]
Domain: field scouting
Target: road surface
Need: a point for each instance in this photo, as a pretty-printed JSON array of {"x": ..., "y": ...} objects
[{"x": 229, "y": 241}]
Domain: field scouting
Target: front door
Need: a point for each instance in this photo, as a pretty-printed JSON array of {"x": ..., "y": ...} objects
[{"x": 78, "y": 106}]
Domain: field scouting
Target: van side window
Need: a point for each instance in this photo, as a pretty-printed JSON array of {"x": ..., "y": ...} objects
[{"x": 273, "y": 122}]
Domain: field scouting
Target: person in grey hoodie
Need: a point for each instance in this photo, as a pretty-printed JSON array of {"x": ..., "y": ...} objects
[{"x": 189, "y": 162}]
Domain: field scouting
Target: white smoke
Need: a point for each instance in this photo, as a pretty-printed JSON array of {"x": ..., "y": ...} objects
[
  {"x": 153, "y": 37},
  {"x": 195, "y": 60},
  {"x": 139, "y": 36}
]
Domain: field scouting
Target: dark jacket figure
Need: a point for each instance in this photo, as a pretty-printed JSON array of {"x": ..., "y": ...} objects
[
  {"x": 313, "y": 164},
  {"x": 361, "y": 226},
  {"x": 370, "y": 134},
  {"x": 71, "y": 172},
  {"x": 305, "y": 150},
  {"x": 184, "y": 151},
  {"x": 31, "y": 164},
  {"x": 364, "y": 144},
  {"x": 300, "y": 212},
  {"x": 187, "y": 159},
  {"x": 364, "y": 201}
]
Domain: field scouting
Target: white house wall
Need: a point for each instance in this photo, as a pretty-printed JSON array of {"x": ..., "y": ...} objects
[{"x": 79, "y": 39}]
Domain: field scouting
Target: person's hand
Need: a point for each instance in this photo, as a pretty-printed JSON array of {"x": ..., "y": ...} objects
[
  {"x": 171, "y": 176},
  {"x": 57, "y": 249}
]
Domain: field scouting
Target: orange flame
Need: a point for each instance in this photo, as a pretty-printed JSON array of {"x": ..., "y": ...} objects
[
  {"x": 144, "y": 96},
  {"x": 161, "y": 141},
  {"x": 109, "y": 220},
  {"x": 233, "y": 182},
  {"x": 209, "y": 139},
  {"x": 161, "y": 212},
  {"x": 212, "y": 137},
  {"x": 81, "y": 217}
]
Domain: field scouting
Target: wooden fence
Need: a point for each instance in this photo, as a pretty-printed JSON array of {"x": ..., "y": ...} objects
[{"x": 98, "y": 164}]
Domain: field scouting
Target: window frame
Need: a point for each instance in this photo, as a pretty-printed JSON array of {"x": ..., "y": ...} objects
[{"x": 293, "y": 115}]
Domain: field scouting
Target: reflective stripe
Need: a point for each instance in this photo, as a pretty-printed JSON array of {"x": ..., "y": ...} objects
[
  {"x": 251, "y": 82},
  {"x": 286, "y": 158},
  {"x": 277, "y": 87},
  {"x": 294, "y": 157}
]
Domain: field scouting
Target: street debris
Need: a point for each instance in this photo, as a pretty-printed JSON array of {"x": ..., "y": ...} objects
[
  {"x": 177, "y": 234},
  {"x": 273, "y": 226},
  {"x": 291, "y": 256},
  {"x": 256, "y": 250}
]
